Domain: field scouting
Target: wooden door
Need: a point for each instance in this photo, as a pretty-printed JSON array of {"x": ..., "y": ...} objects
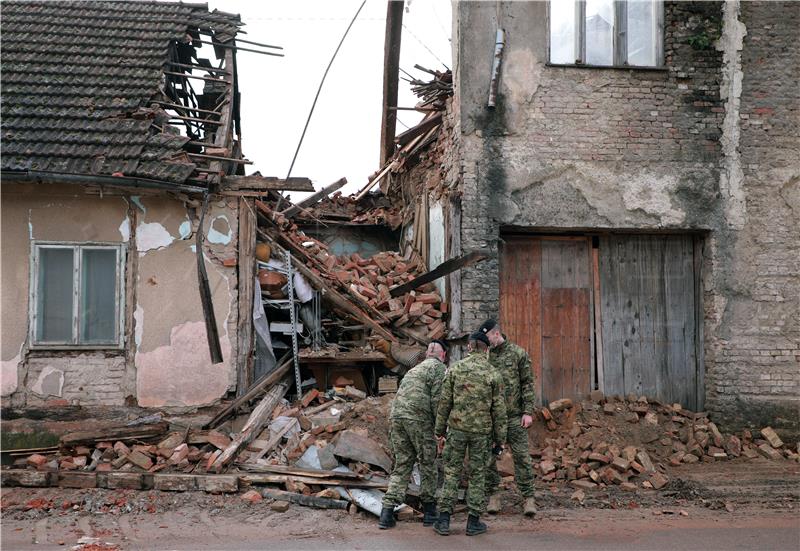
[
  {"x": 649, "y": 326},
  {"x": 546, "y": 307}
]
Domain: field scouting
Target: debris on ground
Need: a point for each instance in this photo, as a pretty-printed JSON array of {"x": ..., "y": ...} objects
[{"x": 631, "y": 443}]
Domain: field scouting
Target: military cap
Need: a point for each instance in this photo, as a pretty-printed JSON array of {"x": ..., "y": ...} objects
[
  {"x": 441, "y": 343},
  {"x": 487, "y": 326},
  {"x": 478, "y": 336}
]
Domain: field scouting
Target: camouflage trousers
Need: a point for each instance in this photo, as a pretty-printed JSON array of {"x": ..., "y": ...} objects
[
  {"x": 517, "y": 440},
  {"x": 458, "y": 445},
  {"x": 412, "y": 441}
]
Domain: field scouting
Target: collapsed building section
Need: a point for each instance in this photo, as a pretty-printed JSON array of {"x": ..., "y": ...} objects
[{"x": 122, "y": 189}]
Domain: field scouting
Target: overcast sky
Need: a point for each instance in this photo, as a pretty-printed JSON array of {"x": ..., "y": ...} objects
[{"x": 343, "y": 137}]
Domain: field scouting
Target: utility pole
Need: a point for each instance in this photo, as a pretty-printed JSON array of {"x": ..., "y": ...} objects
[{"x": 391, "y": 75}]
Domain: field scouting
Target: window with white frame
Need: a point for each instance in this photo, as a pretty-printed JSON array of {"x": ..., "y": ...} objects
[
  {"x": 77, "y": 295},
  {"x": 607, "y": 33}
]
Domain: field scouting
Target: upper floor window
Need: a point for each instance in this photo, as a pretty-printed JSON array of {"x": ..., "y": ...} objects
[
  {"x": 76, "y": 295},
  {"x": 607, "y": 33}
]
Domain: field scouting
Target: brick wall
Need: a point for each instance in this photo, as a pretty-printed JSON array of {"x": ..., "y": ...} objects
[
  {"x": 89, "y": 379},
  {"x": 578, "y": 148},
  {"x": 755, "y": 352}
]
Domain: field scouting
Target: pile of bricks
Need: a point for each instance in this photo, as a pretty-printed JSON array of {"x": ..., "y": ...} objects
[
  {"x": 370, "y": 280},
  {"x": 180, "y": 451},
  {"x": 630, "y": 443}
]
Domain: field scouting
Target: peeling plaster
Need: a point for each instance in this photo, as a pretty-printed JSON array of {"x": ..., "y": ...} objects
[
  {"x": 731, "y": 176},
  {"x": 152, "y": 235},
  {"x": 185, "y": 229},
  {"x": 652, "y": 195},
  {"x": 9, "y": 378},
  {"x": 125, "y": 229},
  {"x": 138, "y": 317},
  {"x": 215, "y": 236},
  {"x": 190, "y": 379},
  {"x": 49, "y": 383}
]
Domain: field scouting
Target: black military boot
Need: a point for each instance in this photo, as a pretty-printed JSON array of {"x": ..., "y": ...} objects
[
  {"x": 430, "y": 514},
  {"x": 442, "y": 524},
  {"x": 387, "y": 518},
  {"x": 475, "y": 526}
]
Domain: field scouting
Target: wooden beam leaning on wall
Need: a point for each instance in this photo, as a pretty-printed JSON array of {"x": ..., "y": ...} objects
[
  {"x": 268, "y": 380},
  {"x": 440, "y": 271}
]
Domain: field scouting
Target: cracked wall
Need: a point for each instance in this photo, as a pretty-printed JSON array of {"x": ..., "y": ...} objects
[
  {"x": 165, "y": 361},
  {"x": 701, "y": 145}
]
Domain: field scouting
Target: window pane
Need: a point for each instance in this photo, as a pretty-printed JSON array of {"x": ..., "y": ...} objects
[
  {"x": 600, "y": 32},
  {"x": 98, "y": 296},
  {"x": 54, "y": 296},
  {"x": 562, "y": 31},
  {"x": 642, "y": 33}
]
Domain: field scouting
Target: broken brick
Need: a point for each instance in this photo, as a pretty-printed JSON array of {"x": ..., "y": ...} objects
[
  {"x": 769, "y": 452},
  {"x": 36, "y": 460},
  {"x": 252, "y": 496},
  {"x": 139, "y": 459},
  {"x": 658, "y": 480},
  {"x": 772, "y": 437}
]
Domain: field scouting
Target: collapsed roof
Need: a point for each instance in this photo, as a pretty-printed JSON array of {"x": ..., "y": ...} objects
[{"x": 109, "y": 89}]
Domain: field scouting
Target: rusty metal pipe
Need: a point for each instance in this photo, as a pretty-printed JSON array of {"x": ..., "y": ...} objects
[{"x": 499, "y": 44}]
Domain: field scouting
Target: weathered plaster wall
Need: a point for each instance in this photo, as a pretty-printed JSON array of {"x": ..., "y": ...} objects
[
  {"x": 165, "y": 361},
  {"x": 753, "y": 318},
  {"x": 172, "y": 358},
  {"x": 579, "y": 148},
  {"x": 52, "y": 213}
]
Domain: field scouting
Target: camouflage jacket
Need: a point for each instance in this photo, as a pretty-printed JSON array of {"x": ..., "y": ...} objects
[
  {"x": 514, "y": 366},
  {"x": 418, "y": 395},
  {"x": 472, "y": 399}
]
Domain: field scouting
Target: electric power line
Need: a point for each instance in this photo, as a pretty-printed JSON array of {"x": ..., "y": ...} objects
[{"x": 319, "y": 89}]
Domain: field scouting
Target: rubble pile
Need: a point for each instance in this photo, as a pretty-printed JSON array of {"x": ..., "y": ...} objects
[
  {"x": 155, "y": 450},
  {"x": 324, "y": 450},
  {"x": 629, "y": 443},
  {"x": 370, "y": 210},
  {"x": 418, "y": 314}
]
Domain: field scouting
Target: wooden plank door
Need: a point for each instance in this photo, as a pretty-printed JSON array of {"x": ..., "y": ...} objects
[
  {"x": 647, "y": 291},
  {"x": 521, "y": 299},
  {"x": 546, "y": 307},
  {"x": 566, "y": 318}
]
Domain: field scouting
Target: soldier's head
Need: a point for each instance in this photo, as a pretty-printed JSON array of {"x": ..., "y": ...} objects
[
  {"x": 491, "y": 329},
  {"x": 437, "y": 349},
  {"x": 477, "y": 342}
]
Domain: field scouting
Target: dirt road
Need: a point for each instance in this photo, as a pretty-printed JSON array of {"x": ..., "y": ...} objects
[{"x": 727, "y": 506}]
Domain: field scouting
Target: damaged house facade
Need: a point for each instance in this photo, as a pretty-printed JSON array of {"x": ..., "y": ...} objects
[
  {"x": 632, "y": 170},
  {"x": 119, "y": 118}
]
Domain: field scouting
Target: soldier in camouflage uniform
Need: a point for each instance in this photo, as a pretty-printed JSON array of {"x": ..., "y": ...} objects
[
  {"x": 514, "y": 366},
  {"x": 411, "y": 433},
  {"x": 473, "y": 411}
]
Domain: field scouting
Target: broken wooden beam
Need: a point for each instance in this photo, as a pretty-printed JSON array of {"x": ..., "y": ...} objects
[
  {"x": 274, "y": 478},
  {"x": 258, "y": 419},
  {"x": 266, "y": 183},
  {"x": 313, "y": 199},
  {"x": 308, "y": 501},
  {"x": 422, "y": 128},
  {"x": 298, "y": 471},
  {"x": 440, "y": 271},
  {"x": 212, "y": 333},
  {"x": 272, "y": 442},
  {"x": 114, "y": 433},
  {"x": 255, "y": 390}
]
